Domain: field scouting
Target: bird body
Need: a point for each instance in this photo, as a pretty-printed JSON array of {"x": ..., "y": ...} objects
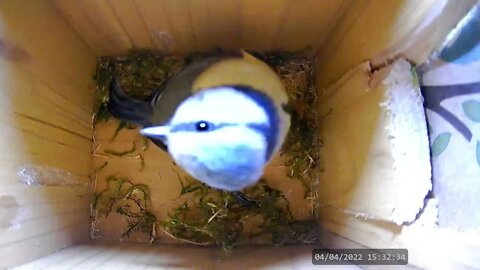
[{"x": 221, "y": 119}]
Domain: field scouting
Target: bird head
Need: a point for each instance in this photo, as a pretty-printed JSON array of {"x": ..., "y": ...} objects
[{"x": 222, "y": 136}]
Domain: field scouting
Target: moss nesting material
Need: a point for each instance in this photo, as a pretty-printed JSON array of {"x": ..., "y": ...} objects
[{"x": 214, "y": 217}]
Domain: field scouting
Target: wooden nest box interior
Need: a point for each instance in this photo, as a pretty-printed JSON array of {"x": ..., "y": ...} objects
[{"x": 373, "y": 173}]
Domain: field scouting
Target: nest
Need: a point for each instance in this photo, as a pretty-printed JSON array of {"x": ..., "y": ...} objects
[{"x": 213, "y": 217}]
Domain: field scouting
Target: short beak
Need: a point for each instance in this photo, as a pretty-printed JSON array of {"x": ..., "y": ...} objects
[{"x": 155, "y": 132}]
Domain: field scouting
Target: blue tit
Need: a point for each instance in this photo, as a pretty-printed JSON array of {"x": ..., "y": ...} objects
[{"x": 221, "y": 119}]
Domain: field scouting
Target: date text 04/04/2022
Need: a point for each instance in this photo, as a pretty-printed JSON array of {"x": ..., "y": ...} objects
[{"x": 360, "y": 256}]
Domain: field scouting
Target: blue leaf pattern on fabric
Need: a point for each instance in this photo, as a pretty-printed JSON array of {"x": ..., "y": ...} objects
[
  {"x": 440, "y": 143},
  {"x": 471, "y": 108}
]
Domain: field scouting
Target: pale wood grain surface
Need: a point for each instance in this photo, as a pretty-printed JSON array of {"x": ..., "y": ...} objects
[
  {"x": 45, "y": 110},
  {"x": 381, "y": 31},
  {"x": 376, "y": 153},
  {"x": 140, "y": 256},
  {"x": 112, "y": 27}
]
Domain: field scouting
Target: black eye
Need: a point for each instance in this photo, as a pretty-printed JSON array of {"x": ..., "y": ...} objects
[{"x": 202, "y": 126}]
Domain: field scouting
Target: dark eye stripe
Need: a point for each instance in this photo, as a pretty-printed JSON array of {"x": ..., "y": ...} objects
[
  {"x": 271, "y": 131},
  {"x": 262, "y": 129},
  {"x": 266, "y": 132},
  {"x": 192, "y": 127}
]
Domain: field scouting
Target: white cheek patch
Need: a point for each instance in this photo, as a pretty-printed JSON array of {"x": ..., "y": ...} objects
[
  {"x": 229, "y": 158},
  {"x": 222, "y": 105},
  {"x": 203, "y": 145},
  {"x": 238, "y": 135}
]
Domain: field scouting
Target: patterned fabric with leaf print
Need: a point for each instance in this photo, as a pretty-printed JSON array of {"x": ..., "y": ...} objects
[{"x": 450, "y": 83}]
